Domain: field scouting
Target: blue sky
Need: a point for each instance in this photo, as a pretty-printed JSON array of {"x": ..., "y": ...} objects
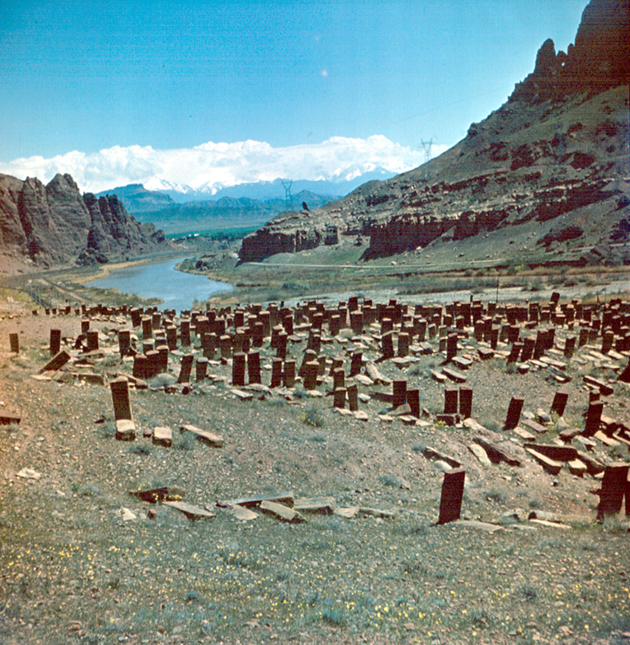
[{"x": 80, "y": 77}]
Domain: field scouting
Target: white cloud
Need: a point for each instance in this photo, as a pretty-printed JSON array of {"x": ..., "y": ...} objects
[{"x": 211, "y": 166}]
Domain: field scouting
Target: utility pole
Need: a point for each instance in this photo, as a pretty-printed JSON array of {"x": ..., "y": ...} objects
[{"x": 426, "y": 146}]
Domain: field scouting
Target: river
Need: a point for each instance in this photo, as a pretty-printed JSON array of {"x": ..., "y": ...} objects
[{"x": 161, "y": 280}]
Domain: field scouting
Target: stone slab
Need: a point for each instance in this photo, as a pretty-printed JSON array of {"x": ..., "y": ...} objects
[
  {"x": 324, "y": 505},
  {"x": 554, "y": 452},
  {"x": 191, "y": 511},
  {"x": 125, "y": 430},
  {"x": 162, "y": 436},
  {"x": 205, "y": 435},
  {"x": 163, "y": 493},
  {"x": 480, "y": 453},
  {"x": 256, "y": 500},
  {"x": 550, "y": 465},
  {"x": 281, "y": 512}
]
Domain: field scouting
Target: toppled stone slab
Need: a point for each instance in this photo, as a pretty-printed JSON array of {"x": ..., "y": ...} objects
[
  {"x": 244, "y": 396},
  {"x": 480, "y": 453},
  {"x": 191, "y": 511},
  {"x": 349, "y": 512},
  {"x": 558, "y": 453},
  {"x": 375, "y": 512},
  {"x": 497, "y": 454},
  {"x": 243, "y": 514},
  {"x": 29, "y": 473},
  {"x": 481, "y": 526},
  {"x": 206, "y": 436},
  {"x": 454, "y": 375},
  {"x": 163, "y": 493},
  {"x": 325, "y": 505},
  {"x": 431, "y": 453},
  {"x": 281, "y": 512},
  {"x": 550, "y": 465},
  {"x": 256, "y": 500},
  {"x": 7, "y": 418}
]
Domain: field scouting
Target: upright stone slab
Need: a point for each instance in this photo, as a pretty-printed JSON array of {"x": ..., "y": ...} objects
[
  {"x": 171, "y": 337},
  {"x": 147, "y": 327},
  {"x": 400, "y": 393},
  {"x": 92, "y": 340},
  {"x": 559, "y": 402},
  {"x": 253, "y": 367},
  {"x": 593, "y": 418},
  {"x": 451, "y": 347},
  {"x": 465, "y": 401},
  {"x": 184, "y": 333},
  {"x": 238, "y": 369},
  {"x": 276, "y": 372},
  {"x": 403, "y": 344},
  {"x": 413, "y": 400},
  {"x": 353, "y": 397},
  {"x": 451, "y": 400},
  {"x": 140, "y": 366},
  {"x": 387, "y": 345},
  {"x": 225, "y": 344},
  {"x": 569, "y": 346},
  {"x": 514, "y": 413},
  {"x": 339, "y": 397},
  {"x": 153, "y": 363},
  {"x": 452, "y": 495},
  {"x": 310, "y": 375},
  {"x": 201, "y": 367},
  {"x": 124, "y": 342},
  {"x": 186, "y": 368},
  {"x": 614, "y": 487},
  {"x": 289, "y": 373},
  {"x": 515, "y": 352},
  {"x": 55, "y": 341},
  {"x": 85, "y": 325},
  {"x": 356, "y": 363},
  {"x": 339, "y": 379}
]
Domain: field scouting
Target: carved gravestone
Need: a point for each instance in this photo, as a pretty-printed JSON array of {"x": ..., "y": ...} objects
[
  {"x": 238, "y": 369},
  {"x": 184, "y": 333},
  {"x": 451, "y": 401},
  {"x": 310, "y": 374},
  {"x": 85, "y": 325},
  {"x": 514, "y": 413},
  {"x": 593, "y": 418},
  {"x": 413, "y": 400},
  {"x": 276, "y": 372},
  {"x": 614, "y": 487},
  {"x": 452, "y": 495},
  {"x": 92, "y": 341},
  {"x": 399, "y": 393},
  {"x": 185, "y": 369},
  {"x": 253, "y": 367},
  {"x": 353, "y": 397},
  {"x": 451, "y": 347},
  {"x": 387, "y": 345},
  {"x": 403, "y": 344},
  {"x": 140, "y": 366},
  {"x": 147, "y": 327},
  {"x": 465, "y": 401},
  {"x": 125, "y": 429},
  {"x": 55, "y": 341},
  {"x": 289, "y": 373},
  {"x": 339, "y": 396},
  {"x": 559, "y": 402},
  {"x": 356, "y": 363},
  {"x": 201, "y": 367}
]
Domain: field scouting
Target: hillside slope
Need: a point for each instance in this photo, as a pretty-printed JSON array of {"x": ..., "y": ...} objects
[
  {"x": 54, "y": 224},
  {"x": 555, "y": 154}
]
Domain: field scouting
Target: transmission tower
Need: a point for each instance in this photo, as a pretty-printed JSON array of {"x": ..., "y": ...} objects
[
  {"x": 426, "y": 146},
  {"x": 288, "y": 198}
]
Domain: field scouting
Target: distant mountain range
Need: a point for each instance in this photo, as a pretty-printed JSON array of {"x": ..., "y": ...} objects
[
  {"x": 242, "y": 213},
  {"x": 156, "y": 193}
]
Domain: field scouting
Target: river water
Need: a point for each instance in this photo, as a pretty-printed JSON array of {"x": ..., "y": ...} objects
[{"x": 161, "y": 280}]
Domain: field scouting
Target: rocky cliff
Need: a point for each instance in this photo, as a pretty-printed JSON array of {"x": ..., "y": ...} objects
[
  {"x": 55, "y": 224},
  {"x": 555, "y": 154}
]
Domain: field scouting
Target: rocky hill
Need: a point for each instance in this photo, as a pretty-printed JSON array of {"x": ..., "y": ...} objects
[
  {"x": 55, "y": 225},
  {"x": 553, "y": 159}
]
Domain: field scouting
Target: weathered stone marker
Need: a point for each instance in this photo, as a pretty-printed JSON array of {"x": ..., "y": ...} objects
[
  {"x": 593, "y": 418},
  {"x": 124, "y": 342},
  {"x": 253, "y": 367},
  {"x": 514, "y": 413},
  {"x": 452, "y": 495},
  {"x": 92, "y": 340},
  {"x": 465, "y": 401},
  {"x": 289, "y": 374},
  {"x": 451, "y": 347},
  {"x": 339, "y": 397},
  {"x": 400, "y": 393},
  {"x": 125, "y": 427},
  {"x": 56, "y": 362},
  {"x": 55, "y": 341},
  {"x": 559, "y": 402},
  {"x": 162, "y": 436},
  {"x": 614, "y": 487},
  {"x": 185, "y": 369},
  {"x": 413, "y": 400},
  {"x": 14, "y": 341},
  {"x": 238, "y": 369},
  {"x": 147, "y": 327},
  {"x": 451, "y": 401},
  {"x": 353, "y": 397},
  {"x": 201, "y": 367},
  {"x": 310, "y": 374}
]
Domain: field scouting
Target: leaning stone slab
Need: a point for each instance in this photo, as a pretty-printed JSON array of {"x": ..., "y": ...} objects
[
  {"x": 206, "y": 436},
  {"x": 533, "y": 425},
  {"x": 524, "y": 434},
  {"x": 594, "y": 466},
  {"x": 607, "y": 441},
  {"x": 56, "y": 362},
  {"x": 454, "y": 375},
  {"x": 256, "y": 500},
  {"x": 577, "y": 467},
  {"x": 191, "y": 511},
  {"x": 281, "y": 512},
  {"x": 125, "y": 430},
  {"x": 325, "y": 505},
  {"x": 163, "y": 436},
  {"x": 163, "y": 493},
  {"x": 438, "y": 376},
  {"x": 604, "y": 388},
  {"x": 244, "y": 396},
  {"x": 550, "y": 465}
]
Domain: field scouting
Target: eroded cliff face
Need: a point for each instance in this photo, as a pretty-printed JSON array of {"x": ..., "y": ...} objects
[
  {"x": 55, "y": 224},
  {"x": 556, "y": 150}
]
